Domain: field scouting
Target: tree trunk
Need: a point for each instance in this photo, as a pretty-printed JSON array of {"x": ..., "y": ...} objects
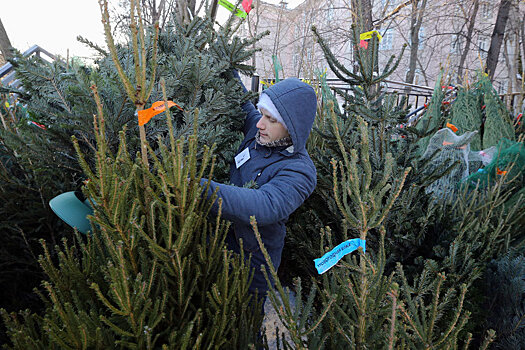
[
  {"x": 361, "y": 18},
  {"x": 5, "y": 44},
  {"x": 415, "y": 26},
  {"x": 303, "y": 43},
  {"x": 214, "y": 7},
  {"x": 362, "y": 15},
  {"x": 185, "y": 11},
  {"x": 468, "y": 39},
  {"x": 497, "y": 38},
  {"x": 522, "y": 30},
  {"x": 511, "y": 64},
  {"x": 251, "y": 20},
  {"x": 157, "y": 11},
  {"x": 276, "y": 43}
]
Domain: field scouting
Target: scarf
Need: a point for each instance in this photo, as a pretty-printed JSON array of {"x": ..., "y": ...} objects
[{"x": 285, "y": 141}]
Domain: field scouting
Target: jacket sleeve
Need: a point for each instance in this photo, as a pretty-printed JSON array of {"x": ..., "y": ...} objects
[
  {"x": 272, "y": 202},
  {"x": 252, "y": 114}
]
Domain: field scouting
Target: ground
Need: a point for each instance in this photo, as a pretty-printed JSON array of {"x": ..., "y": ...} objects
[{"x": 272, "y": 322}]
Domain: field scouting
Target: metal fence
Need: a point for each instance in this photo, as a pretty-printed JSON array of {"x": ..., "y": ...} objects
[
  {"x": 416, "y": 95},
  {"x": 7, "y": 73}
]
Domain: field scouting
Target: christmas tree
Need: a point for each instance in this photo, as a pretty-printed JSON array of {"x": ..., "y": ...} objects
[
  {"x": 149, "y": 275},
  {"x": 437, "y": 247},
  {"x": 362, "y": 305},
  {"x": 152, "y": 217},
  {"x": 154, "y": 273},
  {"x": 505, "y": 284},
  {"x": 28, "y": 179}
]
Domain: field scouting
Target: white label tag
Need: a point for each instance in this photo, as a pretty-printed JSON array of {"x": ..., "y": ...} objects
[{"x": 242, "y": 157}]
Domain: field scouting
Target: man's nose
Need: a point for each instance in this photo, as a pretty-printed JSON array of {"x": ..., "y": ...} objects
[{"x": 260, "y": 124}]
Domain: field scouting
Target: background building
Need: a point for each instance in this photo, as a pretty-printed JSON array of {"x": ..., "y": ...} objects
[{"x": 453, "y": 35}]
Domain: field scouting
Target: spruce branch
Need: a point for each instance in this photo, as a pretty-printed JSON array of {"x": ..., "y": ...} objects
[
  {"x": 489, "y": 338},
  {"x": 370, "y": 210},
  {"x": 339, "y": 70},
  {"x": 394, "y": 294},
  {"x": 92, "y": 45},
  {"x": 294, "y": 320},
  {"x": 139, "y": 93},
  {"x": 113, "y": 50}
]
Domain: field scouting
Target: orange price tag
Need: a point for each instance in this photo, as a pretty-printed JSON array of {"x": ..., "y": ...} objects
[
  {"x": 452, "y": 127},
  {"x": 156, "y": 108},
  {"x": 500, "y": 172}
]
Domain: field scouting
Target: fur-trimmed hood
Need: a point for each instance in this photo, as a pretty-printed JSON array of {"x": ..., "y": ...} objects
[{"x": 297, "y": 104}]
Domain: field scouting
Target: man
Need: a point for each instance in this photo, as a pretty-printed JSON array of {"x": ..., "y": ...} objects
[{"x": 273, "y": 159}]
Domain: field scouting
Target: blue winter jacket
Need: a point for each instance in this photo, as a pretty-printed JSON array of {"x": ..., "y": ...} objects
[{"x": 284, "y": 177}]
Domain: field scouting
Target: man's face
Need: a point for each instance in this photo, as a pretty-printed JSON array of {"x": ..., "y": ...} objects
[{"x": 270, "y": 129}]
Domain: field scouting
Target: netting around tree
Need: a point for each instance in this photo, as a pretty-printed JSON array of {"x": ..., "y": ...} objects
[
  {"x": 479, "y": 159},
  {"x": 508, "y": 158},
  {"x": 446, "y": 148},
  {"x": 483, "y": 157}
]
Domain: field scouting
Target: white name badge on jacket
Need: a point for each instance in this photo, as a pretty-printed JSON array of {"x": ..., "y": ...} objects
[{"x": 242, "y": 157}]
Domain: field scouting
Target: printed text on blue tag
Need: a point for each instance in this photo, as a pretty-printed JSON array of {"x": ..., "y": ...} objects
[{"x": 331, "y": 258}]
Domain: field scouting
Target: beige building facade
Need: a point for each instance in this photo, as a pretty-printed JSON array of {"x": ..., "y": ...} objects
[{"x": 442, "y": 36}]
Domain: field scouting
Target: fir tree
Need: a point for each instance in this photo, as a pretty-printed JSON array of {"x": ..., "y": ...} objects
[
  {"x": 362, "y": 305},
  {"x": 367, "y": 98},
  {"x": 27, "y": 181},
  {"x": 197, "y": 61},
  {"x": 497, "y": 123},
  {"x": 166, "y": 283},
  {"x": 38, "y": 164},
  {"x": 505, "y": 284},
  {"x": 433, "y": 119},
  {"x": 431, "y": 239},
  {"x": 194, "y": 59},
  {"x": 479, "y": 108},
  {"x": 467, "y": 114}
]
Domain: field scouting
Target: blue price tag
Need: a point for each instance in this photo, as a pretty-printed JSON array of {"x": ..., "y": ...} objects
[{"x": 331, "y": 258}]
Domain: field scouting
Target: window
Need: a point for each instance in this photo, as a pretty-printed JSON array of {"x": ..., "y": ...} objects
[
  {"x": 483, "y": 46},
  {"x": 421, "y": 37},
  {"x": 388, "y": 39},
  {"x": 502, "y": 87},
  {"x": 486, "y": 10},
  {"x": 330, "y": 13},
  {"x": 456, "y": 44}
]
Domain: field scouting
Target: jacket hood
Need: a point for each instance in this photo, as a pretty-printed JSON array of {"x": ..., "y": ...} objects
[{"x": 297, "y": 103}]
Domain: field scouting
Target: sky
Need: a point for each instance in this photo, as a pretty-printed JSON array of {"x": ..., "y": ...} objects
[{"x": 55, "y": 24}]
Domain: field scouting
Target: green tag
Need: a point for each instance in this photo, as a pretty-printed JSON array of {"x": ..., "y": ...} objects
[
  {"x": 230, "y": 7},
  {"x": 277, "y": 67}
]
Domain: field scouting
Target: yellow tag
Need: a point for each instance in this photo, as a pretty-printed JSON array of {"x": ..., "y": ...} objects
[
  {"x": 7, "y": 104},
  {"x": 368, "y": 35},
  {"x": 266, "y": 83}
]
